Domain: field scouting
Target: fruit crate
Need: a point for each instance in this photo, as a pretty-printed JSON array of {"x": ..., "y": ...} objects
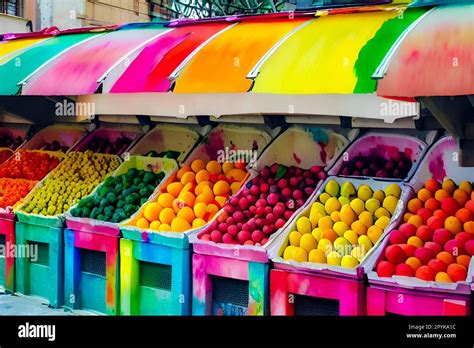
[
  {"x": 380, "y": 145},
  {"x": 167, "y": 255},
  {"x": 328, "y": 282},
  {"x": 176, "y": 140},
  {"x": 44, "y": 277},
  {"x": 92, "y": 250},
  {"x": 64, "y": 137},
  {"x": 298, "y": 147},
  {"x": 404, "y": 295},
  {"x": 11, "y": 138}
]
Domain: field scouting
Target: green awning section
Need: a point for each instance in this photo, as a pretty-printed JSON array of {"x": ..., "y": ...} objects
[{"x": 21, "y": 66}]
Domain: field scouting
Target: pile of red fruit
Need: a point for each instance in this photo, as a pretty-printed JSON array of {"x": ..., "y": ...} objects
[
  {"x": 266, "y": 203},
  {"x": 5, "y": 154},
  {"x": 12, "y": 190},
  {"x": 381, "y": 162},
  {"x": 29, "y": 165},
  {"x": 436, "y": 240}
]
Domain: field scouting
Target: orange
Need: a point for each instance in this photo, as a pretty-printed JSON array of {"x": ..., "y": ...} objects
[
  {"x": 187, "y": 214},
  {"x": 415, "y": 220},
  {"x": 213, "y": 167},
  {"x": 432, "y": 204},
  {"x": 198, "y": 223},
  {"x": 424, "y": 194},
  {"x": 440, "y": 213},
  {"x": 221, "y": 200},
  {"x": 236, "y": 175},
  {"x": 188, "y": 198},
  {"x": 179, "y": 225},
  {"x": 325, "y": 223},
  {"x": 453, "y": 224},
  {"x": 166, "y": 200},
  {"x": 167, "y": 215},
  {"x": 359, "y": 228},
  {"x": 461, "y": 197},
  {"x": 205, "y": 198},
  {"x": 221, "y": 188},
  {"x": 235, "y": 187},
  {"x": 200, "y": 186},
  {"x": 443, "y": 277},
  {"x": 446, "y": 257},
  {"x": 212, "y": 209},
  {"x": 227, "y": 167},
  {"x": 413, "y": 262},
  {"x": 463, "y": 260},
  {"x": 432, "y": 185},
  {"x": 464, "y": 215},
  {"x": 329, "y": 234},
  {"x": 202, "y": 175},
  {"x": 164, "y": 228},
  {"x": 177, "y": 205},
  {"x": 240, "y": 165},
  {"x": 449, "y": 186},
  {"x": 174, "y": 188},
  {"x": 184, "y": 169},
  {"x": 200, "y": 210},
  {"x": 469, "y": 227},
  {"x": 440, "y": 194},
  {"x": 414, "y": 204},
  {"x": 407, "y": 216},
  {"x": 155, "y": 226},
  {"x": 188, "y": 178},
  {"x": 143, "y": 223},
  {"x": 198, "y": 165},
  {"x": 152, "y": 211},
  {"x": 466, "y": 187}
]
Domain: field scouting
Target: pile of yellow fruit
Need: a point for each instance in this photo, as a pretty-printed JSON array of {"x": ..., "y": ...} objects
[
  {"x": 75, "y": 178},
  {"x": 193, "y": 198},
  {"x": 343, "y": 225}
]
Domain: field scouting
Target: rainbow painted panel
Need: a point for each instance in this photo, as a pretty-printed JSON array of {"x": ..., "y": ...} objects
[
  {"x": 13, "y": 47},
  {"x": 223, "y": 64},
  {"x": 323, "y": 56},
  {"x": 436, "y": 58},
  {"x": 77, "y": 71},
  {"x": 149, "y": 72}
]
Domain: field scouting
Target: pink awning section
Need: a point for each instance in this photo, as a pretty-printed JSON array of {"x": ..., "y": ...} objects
[
  {"x": 150, "y": 71},
  {"x": 77, "y": 71}
]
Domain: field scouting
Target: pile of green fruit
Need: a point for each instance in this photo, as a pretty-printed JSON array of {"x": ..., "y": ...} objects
[
  {"x": 119, "y": 197},
  {"x": 76, "y": 177}
]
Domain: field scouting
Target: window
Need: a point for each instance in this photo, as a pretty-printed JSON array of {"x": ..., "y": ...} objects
[{"x": 12, "y": 7}]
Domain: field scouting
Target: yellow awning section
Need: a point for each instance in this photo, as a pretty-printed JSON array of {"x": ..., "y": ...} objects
[
  {"x": 9, "y": 47},
  {"x": 320, "y": 58}
]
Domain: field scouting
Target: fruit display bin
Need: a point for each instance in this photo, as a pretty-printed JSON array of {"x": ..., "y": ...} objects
[
  {"x": 404, "y": 295},
  {"x": 320, "y": 289},
  {"x": 220, "y": 267},
  {"x": 91, "y": 250},
  {"x": 381, "y": 145},
  {"x": 155, "y": 272},
  {"x": 41, "y": 275},
  {"x": 7, "y": 238},
  {"x": 11, "y": 138},
  {"x": 169, "y": 140},
  {"x": 58, "y": 137}
]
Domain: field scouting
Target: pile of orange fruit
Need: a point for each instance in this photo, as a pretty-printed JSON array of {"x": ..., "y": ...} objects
[
  {"x": 12, "y": 190},
  {"x": 193, "y": 197}
]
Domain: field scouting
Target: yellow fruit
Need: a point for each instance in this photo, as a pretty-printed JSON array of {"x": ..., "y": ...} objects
[
  {"x": 466, "y": 187},
  {"x": 374, "y": 233},
  {"x": 308, "y": 242},
  {"x": 288, "y": 252},
  {"x": 214, "y": 167},
  {"x": 314, "y": 218},
  {"x": 187, "y": 214},
  {"x": 359, "y": 253},
  {"x": 303, "y": 225},
  {"x": 343, "y": 200},
  {"x": 332, "y": 188},
  {"x": 198, "y": 223},
  {"x": 379, "y": 195},
  {"x": 323, "y": 198},
  {"x": 393, "y": 190},
  {"x": 227, "y": 167},
  {"x": 166, "y": 200},
  {"x": 221, "y": 200},
  {"x": 152, "y": 211},
  {"x": 372, "y": 205},
  {"x": 347, "y": 215},
  {"x": 299, "y": 254},
  {"x": 342, "y": 246},
  {"x": 317, "y": 256},
  {"x": 381, "y": 212},
  {"x": 202, "y": 175},
  {"x": 335, "y": 216},
  {"x": 205, "y": 197},
  {"x": 180, "y": 225},
  {"x": 366, "y": 219},
  {"x": 221, "y": 188},
  {"x": 165, "y": 228},
  {"x": 200, "y": 209},
  {"x": 184, "y": 169},
  {"x": 347, "y": 190},
  {"x": 382, "y": 222},
  {"x": 198, "y": 165},
  {"x": 188, "y": 177},
  {"x": 155, "y": 226},
  {"x": 334, "y": 258},
  {"x": 174, "y": 189},
  {"x": 200, "y": 187},
  {"x": 349, "y": 261},
  {"x": 364, "y": 192},
  {"x": 332, "y": 205},
  {"x": 359, "y": 228},
  {"x": 316, "y": 233},
  {"x": 351, "y": 236},
  {"x": 443, "y": 277},
  {"x": 325, "y": 223},
  {"x": 365, "y": 243},
  {"x": 235, "y": 187},
  {"x": 212, "y": 209},
  {"x": 325, "y": 245},
  {"x": 188, "y": 198},
  {"x": 187, "y": 188},
  {"x": 236, "y": 174},
  {"x": 143, "y": 223},
  {"x": 340, "y": 227},
  {"x": 294, "y": 238},
  {"x": 390, "y": 203},
  {"x": 357, "y": 205},
  {"x": 166, "y": 216}
]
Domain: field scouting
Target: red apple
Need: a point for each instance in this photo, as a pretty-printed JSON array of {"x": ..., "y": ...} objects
[
  {"x": 407, "y": 229},
  {"x": 404, "y": 270},
  {"x": 435, "y": 223},
  {"x": 469, "y": 246},
  {"x": 437, "y": 265},
  {"x": 442, "y": 236},
  {"x": 424, "y": 255},
  {"x": 385, "y": 269},
  {"x": 397, "y": 237},
  {"x": 424, "y": 233},
  {"x": 434, "y": 246},
  {"x": 395, "y": 254},
  {"x": 450, "y": 205}
]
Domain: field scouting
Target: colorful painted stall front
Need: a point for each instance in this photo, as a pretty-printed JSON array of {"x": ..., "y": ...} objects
[
  {"x": 155, "y": 253},
  {"x": 426, "y": 261},
  {"x": 230, "y": 261}
]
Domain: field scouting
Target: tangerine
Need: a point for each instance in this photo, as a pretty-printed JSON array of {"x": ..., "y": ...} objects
[
  {"x": 198, "y": 165},
  {"x": 464, "y": 215},
  {"x": 432, "y": 185},
  {"x": 227, "y": 167},
  {"x": 202, "y": 175},
  {"x": 198, "y": 223},
  {"x": 432, "y": 204},
  {"x": 187, "y": 214},
  {"x": 236, "y": 174},
  {"x": 188, "y": 177},
  {"x": 440, "y": 194},
  {"x": 213, "y": 167},
  {"x": 461, "y": 197},
  {"x": 463, "y": 260},
  {"x": 152, "y": 211},
  {"x": 166, "y": 200},
  {"x": 174, "y": 188},
  {"x": 166, "y": 216},
  {"x": 424, "y": 194},
  {"x": 179, "y": 225},
  {"x": 221, "y": 188},
  {"x": 414, "y": 204},
  {"x": 143, "y": 223},
  {"x": 200, "y": 210},
  {"x": 453, "y": 224},
  {"x": 449, "y": 186},
  {"x": 184, "y": 169},
  {"x": 200, "y": 187}
]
